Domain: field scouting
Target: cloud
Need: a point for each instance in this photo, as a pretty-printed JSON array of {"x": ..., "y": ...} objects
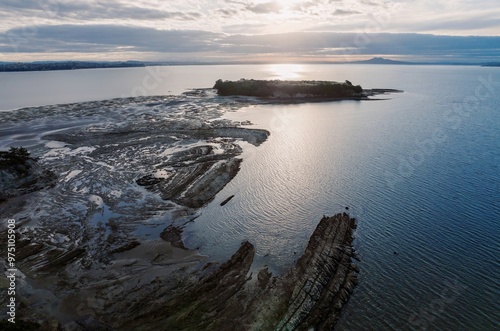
[
  {"x": 304, "y": 6},
  {"x": 480, "y": 17},
  {"x": 247, "y": 28},
  {"x": 104, "y": 38},
  {"x": 473, "y": 21},
  {"x": 227, "y": 12},
  {"x": 265, "y": 8},
  {"x": 93, "y": 10},
  {"x": 345, "y": 12},
  {"x": 115, "y": 38}
]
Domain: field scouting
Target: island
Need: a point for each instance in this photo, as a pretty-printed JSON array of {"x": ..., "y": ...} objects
[{"x": 289, "y": 90}]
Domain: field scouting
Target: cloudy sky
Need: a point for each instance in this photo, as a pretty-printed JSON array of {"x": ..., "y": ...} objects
[{"x": 249, "y": 30}]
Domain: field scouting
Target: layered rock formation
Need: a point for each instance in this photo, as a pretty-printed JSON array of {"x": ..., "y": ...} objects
[
  {"x": 309, "y": 296},
  {"x": 196, "y": 176}
]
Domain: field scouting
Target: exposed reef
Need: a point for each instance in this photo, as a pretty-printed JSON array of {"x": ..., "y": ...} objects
[
  {"x": 309, "y": 296},
  {"x": 195, "y": 176},
  {"x": 296, "y": 90}
]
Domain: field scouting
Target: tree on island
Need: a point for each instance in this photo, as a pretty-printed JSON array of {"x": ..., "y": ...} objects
[
  {"x": 278, "y": 88},
  {"x": 17, "y": 157}
]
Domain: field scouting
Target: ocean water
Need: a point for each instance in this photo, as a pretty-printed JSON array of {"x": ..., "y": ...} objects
[{"x": 419, "y": 170}]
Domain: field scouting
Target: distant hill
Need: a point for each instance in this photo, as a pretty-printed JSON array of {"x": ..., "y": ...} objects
[
  {"x": 491, "y": 64},
  {"x": 380, "y": 60}
]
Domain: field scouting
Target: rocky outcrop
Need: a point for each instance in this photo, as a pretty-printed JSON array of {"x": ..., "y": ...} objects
[
  {"x": 309, "y": 296},
  {"x": 193, "y": 177},
  {"x": 323, "y": 278},
  {"x": 194, "y": 186},
  {"x": 21, "y": 174},
  {"x": 223, "y": 203},
  {"x": 208, "y": 305},
  {"x": 173, "y": 234}
]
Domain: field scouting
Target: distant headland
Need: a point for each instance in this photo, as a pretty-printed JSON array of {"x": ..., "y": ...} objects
[{"x": 65, "y": 65}]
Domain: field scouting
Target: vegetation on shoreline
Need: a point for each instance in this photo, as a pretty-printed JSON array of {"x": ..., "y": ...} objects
[
  {"x": 16, "y": 157},
  {"x": 287, "y": 88}
]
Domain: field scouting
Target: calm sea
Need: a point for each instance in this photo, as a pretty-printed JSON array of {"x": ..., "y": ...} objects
[{"x": 420, "y": 171}]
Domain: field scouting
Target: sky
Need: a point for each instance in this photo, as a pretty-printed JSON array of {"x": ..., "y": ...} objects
[{"x": 250, "y": 30}]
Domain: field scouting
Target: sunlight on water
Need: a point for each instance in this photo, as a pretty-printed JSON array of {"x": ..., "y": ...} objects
[{"x": 286, "y": 71}]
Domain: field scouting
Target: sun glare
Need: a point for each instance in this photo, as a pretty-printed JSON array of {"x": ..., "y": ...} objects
[{"x": 286, "y": 71}]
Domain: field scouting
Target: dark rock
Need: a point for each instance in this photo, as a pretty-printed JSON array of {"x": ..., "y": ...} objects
[
  {"x": 148, "y": 180},
  {"x": 263, "y": 277},
  {"x": 223, "y": 203},
  {"x": 21, "y": 174},
  {"x": 173, "y": 234},
  {"x": 126, "y": 247},
  {"x": 20, "y": 325}
]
